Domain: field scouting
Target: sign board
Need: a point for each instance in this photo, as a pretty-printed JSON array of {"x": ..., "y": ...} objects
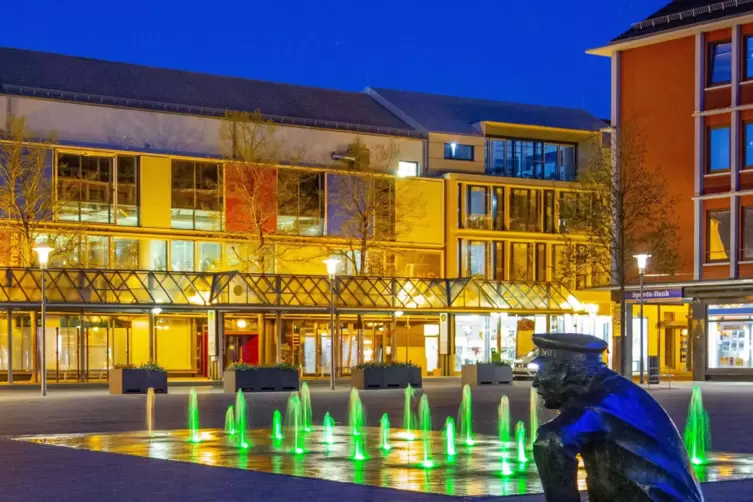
[
  {"x": 444, "y": 338},
  {"x": 654, "y": 294}
]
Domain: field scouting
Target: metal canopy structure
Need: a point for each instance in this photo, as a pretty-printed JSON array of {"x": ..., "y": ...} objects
[{"x": 89, "y": 288}]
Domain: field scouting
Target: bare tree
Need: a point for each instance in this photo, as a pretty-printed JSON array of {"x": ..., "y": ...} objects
[
  {"x": 368, "y": 208},
  {"x": 619, "y": 213},
  {"x": 254, "y": 150},
  {"x": 28, "y": 199}
]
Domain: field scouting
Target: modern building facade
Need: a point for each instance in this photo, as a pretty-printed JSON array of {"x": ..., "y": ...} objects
[
  {"x": 683, "y": 75},
  {"x": 181, "y": 238}
]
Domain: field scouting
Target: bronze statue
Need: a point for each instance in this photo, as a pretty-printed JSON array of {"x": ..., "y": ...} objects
[{"x": 630, "y": 447}]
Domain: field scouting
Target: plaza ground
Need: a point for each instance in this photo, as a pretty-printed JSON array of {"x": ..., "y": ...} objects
[{"x": 35, "y": 472}]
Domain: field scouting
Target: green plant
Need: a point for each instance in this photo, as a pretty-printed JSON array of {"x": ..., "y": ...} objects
[
  {"x": 151, "y": 366},
  {"x": 394, "y": 364}
]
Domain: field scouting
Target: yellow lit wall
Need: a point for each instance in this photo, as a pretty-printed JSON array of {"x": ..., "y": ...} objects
[
  {"x": 301, "y": 259},
  {"x": 140, "y": 341},
  {"x": 419, "y": 208},
  {"x": 155, "y": 186},
  {"x": 174, "y": 343}
]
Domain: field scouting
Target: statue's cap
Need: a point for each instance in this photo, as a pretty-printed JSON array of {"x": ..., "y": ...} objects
[{"x": 569, "y": 346}]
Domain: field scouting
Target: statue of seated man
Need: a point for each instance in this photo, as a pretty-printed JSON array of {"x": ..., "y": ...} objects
[{"x": 630, "y": 448}]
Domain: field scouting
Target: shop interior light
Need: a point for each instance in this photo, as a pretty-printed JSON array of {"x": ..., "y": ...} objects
[{"x": 241, "y": 323}]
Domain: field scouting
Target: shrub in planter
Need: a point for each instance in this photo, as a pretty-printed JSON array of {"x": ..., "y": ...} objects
[
  {"x": 486, "y": 374},
  {"x": 385, "y": 376},
  {"x": 250, "y": 378},
  {"x": 130, "y": 379}
]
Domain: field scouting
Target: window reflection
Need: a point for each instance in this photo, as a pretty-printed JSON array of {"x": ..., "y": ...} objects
[
  {"x": 209, "y": 256},
  {"x": 520, "y": 262},
  {"x": 478, "y": 212},
  {"x": 720, "y": 69},
  {"x": 531, "y": 159},
  {"x": 196, "y": 195},
  {"x": 182, "y": 256},
  {"x": 717, "y": 236},
  {"x": 300, "y": 202},
  {"x": 524, "y": 210},
  {"x": 126, "y": 253}
]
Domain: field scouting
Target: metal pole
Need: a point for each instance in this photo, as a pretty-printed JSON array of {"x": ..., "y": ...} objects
[
  {"x": 10, "y": 346},
  {"x": 407, "y": 335},
  {"x": 43, "y": 357},
  {"x": 641, "y": 309},
  {"x": 332, "y": 331}
]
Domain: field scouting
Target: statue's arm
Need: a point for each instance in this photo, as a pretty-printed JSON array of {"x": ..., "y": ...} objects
[{"x": 556, "y": 449}]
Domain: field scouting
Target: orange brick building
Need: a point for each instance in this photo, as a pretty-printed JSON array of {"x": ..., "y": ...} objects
[{"x": 684, "y": 76}]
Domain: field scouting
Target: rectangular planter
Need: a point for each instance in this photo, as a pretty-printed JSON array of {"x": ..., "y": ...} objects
[
  {"x": 387, "y": 377},
  {"x": 137, "y": 381},
  {"x": 486, "y": 374},
  {"x": 260, "y": 380}
]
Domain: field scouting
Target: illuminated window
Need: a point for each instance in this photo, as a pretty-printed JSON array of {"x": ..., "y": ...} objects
[
  {"x": 209, "y": 256},
  {"x": 455, "y": 151},
  {"x": 478, "y": 208},
  {"x": 407, "y": 169},
  {"x": 720, "y": 64},
  {"x": 521, "y": 266},
  {"x": 717, "y": 236},
  {"x": 719, "y": 151},
  {"x": 300, "y": 202},
  {"x": 524, "y": 210},
  {"x": 126, "y": 253},
  {"x": 196, "y": 195},
  {"x": 182, "y": 256},
  {"x": 531, "y": 159}
]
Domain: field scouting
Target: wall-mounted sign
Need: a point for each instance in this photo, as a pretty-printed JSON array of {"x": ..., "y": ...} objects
[{"x": 654, "y": 294}]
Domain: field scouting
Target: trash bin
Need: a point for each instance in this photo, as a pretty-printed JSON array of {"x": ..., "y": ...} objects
[{"x": 653, "y": 369}]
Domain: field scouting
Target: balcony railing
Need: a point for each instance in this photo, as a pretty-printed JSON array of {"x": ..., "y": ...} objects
[{"x": 121, "y": 288}]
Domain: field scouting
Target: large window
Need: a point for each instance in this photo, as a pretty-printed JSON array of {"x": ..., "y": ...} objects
[
  {"x": 209, "y": 256},
  {"x": 524, "y": 210},
  {"x": 717, "y": 236},
  {"x": 300, "y": 208},
  {"x": 472, "y": 258},
  {"x": 196, "y": 195},
  {"x": 182, "y": 256},
  {"x": 747, "y": 247},
  {"x": 97, "y": 251},
  {"x": 748, "y": 142},
  {"x": 86, "y": 186},
  {"x": 478, "y": 208},
  {"x": 720, "y": 64},
  {"x": 454, "y": 151},
  {"x": 521, "y": 268},
  {"x": 531, "y": 159},
  {"x": 126, "y": 253},
  {"x": 718, "y": 154},
  {"x": 498, "y": 208}
]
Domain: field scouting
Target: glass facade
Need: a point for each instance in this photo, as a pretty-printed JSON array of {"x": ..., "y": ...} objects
[
  {"x": 730, "y": 336},
  {"x": 300, "y": 202},
  {"x": 524, "y": 210},
  {"x": 197, "y": 195},
  {"x": 531, "y": 159}
]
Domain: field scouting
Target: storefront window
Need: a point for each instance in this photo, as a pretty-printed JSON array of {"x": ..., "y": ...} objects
[
  {"x": 182, "y": 256},
  {"x": 730, "y": 336},
  {"x": 475, "y": 336}
]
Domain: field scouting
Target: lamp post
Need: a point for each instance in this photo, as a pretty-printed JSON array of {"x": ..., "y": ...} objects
[
  {"x": 642, "y": 260},
  {"x": 43, "y": 252},
  {"x": 332, "y": 271}
]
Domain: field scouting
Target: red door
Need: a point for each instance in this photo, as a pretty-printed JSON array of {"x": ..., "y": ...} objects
[{"x": 250, "y": 349}]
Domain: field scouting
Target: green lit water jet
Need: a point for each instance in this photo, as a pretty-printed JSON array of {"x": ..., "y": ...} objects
[
  {"x": 534, "y": 415},
  {"x": 384, "y": 433},
  {"x": 230, "y": 421},
  {"x": 465, "y": 417},
  {"x": 520, "y": 441},
  {"x": 449, "y": 437},
  {"x": 240, "y": 419},
  {"x": 193, "y": 416},
  {"x": 697, "y": 436},
  {"x": 329, "y": 426},
  {"x": 424, "y": 417},
  {"x": 277, "y": 425},
  {"x": 408, "y": 413},
  {"x": 503, "y": 425},
  {"x": 306, "y": 406},
  {"x": 294, "y": 422},
  {"x": 356, "y": 421}
]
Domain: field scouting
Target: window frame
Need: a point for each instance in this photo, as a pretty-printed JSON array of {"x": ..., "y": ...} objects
[
  {"x": 709, "y": 132},
  {"x": 710, "y": 64},
  {"x": 707, "y": 243},
  {"x": 539, "y": 163},
  {"x": 449, "y": 155}
]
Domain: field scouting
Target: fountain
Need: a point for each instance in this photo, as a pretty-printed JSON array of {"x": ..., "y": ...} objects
[
  {"x": 306, "y": 405},
  {"x": 449, "y": 437},
  {"x": 356, "y": 418},
  {"x": 230, "y": 421},
  {"x": 384, "y": 433},
  {"x": 277, "y": 425},
  {"x": 294, "y": 422},
  {"x": 534, "y": 415},
  {"x": 329, "y": 425},
  {"x": 424, "y": 417},
  {"x": 193, "y": 417},
  {"x": 465, "y": 419},
  {"x": 240, "y": 419},
  {"x": 503, "y": 417},
  {"x": 520, "y": 440},
  {"x": 408, "y": 413},
  {"x": 697, "y": 437},
  {"x": 150, "y": 411}
]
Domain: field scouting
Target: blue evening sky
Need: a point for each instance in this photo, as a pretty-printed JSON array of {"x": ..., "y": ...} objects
[{"x": 529, "y": 51}]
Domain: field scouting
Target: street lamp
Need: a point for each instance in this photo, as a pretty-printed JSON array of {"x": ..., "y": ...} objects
[
  {"x": 642, "y": 260},
  {"x": 332, "y": 271},
  {"x": 43, "y": 252}
]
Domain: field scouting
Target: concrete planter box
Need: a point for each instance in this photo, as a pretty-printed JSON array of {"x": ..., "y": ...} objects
[
  {"x": 385, "y": 377},
  {"x": 260, "y": 380},
  {"x": 486, "y": 374},
  {"x": 137, "y": 381}
]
